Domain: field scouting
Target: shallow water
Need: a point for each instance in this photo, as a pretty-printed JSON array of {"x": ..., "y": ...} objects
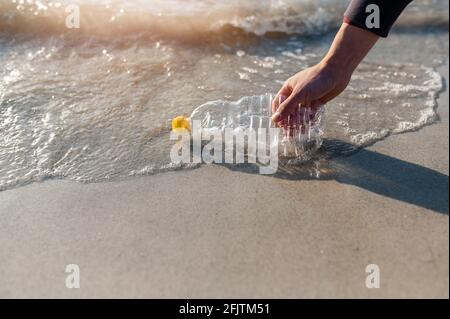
[{"x": 92, "y": 104}]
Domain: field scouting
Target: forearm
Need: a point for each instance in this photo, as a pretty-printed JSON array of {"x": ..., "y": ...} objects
[
  {"x": 351, "y": 44},
  {"x": 326, "y": 80}
]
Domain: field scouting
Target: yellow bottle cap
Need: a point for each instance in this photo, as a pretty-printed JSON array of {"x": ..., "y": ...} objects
[{"x": 181, "y": 123}]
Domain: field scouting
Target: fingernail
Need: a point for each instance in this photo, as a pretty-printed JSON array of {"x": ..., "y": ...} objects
[{"x": 276, "y": 117}]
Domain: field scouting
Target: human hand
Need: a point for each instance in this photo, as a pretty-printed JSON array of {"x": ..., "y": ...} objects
[
  {"x": 324, "y": 81},
  {"x": 309, "y": 88}
]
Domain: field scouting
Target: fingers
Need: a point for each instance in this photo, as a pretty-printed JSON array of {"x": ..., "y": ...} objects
[
  {"x": 290, "y": 105},
  {"x": 284, "y": 92}
]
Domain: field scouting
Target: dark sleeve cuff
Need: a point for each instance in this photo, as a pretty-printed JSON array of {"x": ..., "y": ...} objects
[{"x": 389, "y": 11}]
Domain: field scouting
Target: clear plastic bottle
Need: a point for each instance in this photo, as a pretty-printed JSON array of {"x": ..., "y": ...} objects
[{"x": 300, "y": 135}]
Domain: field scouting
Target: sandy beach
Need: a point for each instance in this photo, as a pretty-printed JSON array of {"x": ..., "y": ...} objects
[
  {"x": 218, "y": 233},
  {"x": 86, "y": 176}
]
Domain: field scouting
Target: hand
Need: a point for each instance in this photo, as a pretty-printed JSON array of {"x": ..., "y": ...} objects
[
  {"x": 309, "y": 88},
  {"x": 324, "y": 81}
]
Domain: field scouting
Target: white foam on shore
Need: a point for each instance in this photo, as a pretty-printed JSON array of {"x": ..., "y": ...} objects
[{"x": 428, "y": 115}]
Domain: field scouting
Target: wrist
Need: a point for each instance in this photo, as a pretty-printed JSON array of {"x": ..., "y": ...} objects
[{"x": 340, "y": 66}]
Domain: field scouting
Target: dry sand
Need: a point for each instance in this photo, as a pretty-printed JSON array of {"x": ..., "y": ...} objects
[{"x": 214, "y": 232}]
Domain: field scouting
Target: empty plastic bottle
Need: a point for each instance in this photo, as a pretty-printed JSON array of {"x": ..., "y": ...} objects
[{"x": 300, "y": 134}]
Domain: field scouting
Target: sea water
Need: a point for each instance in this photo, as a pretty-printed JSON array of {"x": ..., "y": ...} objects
[{"x": 92, "y": 104}]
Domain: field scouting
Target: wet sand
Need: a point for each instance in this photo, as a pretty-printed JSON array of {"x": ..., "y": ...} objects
[{"x": 213, "y": 232}]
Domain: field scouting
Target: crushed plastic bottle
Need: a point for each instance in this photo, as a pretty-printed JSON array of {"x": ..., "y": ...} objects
[{"x": 300, "y": 134}]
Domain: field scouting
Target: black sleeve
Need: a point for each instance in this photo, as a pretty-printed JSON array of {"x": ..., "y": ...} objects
[{"x": 389, "y": 11}]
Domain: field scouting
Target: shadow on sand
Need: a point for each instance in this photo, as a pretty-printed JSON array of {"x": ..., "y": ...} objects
[{"x": 375, "y": 172}]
